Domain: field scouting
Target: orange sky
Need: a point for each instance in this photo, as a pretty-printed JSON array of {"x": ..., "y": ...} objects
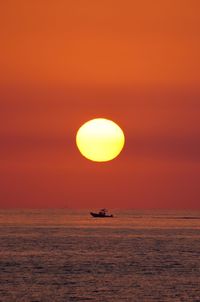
[{"x": 65, "y": 62}]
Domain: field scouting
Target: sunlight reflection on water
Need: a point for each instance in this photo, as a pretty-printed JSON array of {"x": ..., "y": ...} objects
[{"x": 62, "y": 255}]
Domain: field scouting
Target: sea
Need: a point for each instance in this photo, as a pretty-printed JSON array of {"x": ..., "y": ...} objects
[{"x": 66, "y": 255}]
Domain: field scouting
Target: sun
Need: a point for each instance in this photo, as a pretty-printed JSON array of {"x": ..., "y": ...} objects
[{"x": 100, "y": 140}]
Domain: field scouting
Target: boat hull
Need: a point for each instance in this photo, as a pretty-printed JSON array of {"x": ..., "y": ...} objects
[{"x": 100, "y": 215}]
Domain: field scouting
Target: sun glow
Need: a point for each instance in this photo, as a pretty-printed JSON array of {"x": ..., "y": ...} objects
[{"x": 100, "y": 140}]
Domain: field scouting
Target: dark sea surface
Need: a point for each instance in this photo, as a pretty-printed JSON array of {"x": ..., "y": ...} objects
[{"x": 64, "y": 255}]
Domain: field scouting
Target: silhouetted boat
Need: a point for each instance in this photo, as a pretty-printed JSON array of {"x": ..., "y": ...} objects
[{"x": 102, "y": 214}]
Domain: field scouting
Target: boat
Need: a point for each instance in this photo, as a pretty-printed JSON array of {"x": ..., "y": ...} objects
[{"x": 102, "y": 214}]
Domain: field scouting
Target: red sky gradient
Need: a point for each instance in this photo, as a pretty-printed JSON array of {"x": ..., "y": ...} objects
[{"x": 65, "y": 62}]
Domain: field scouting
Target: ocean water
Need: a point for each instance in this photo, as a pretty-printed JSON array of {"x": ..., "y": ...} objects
[{"x": 64, "y": 255}]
